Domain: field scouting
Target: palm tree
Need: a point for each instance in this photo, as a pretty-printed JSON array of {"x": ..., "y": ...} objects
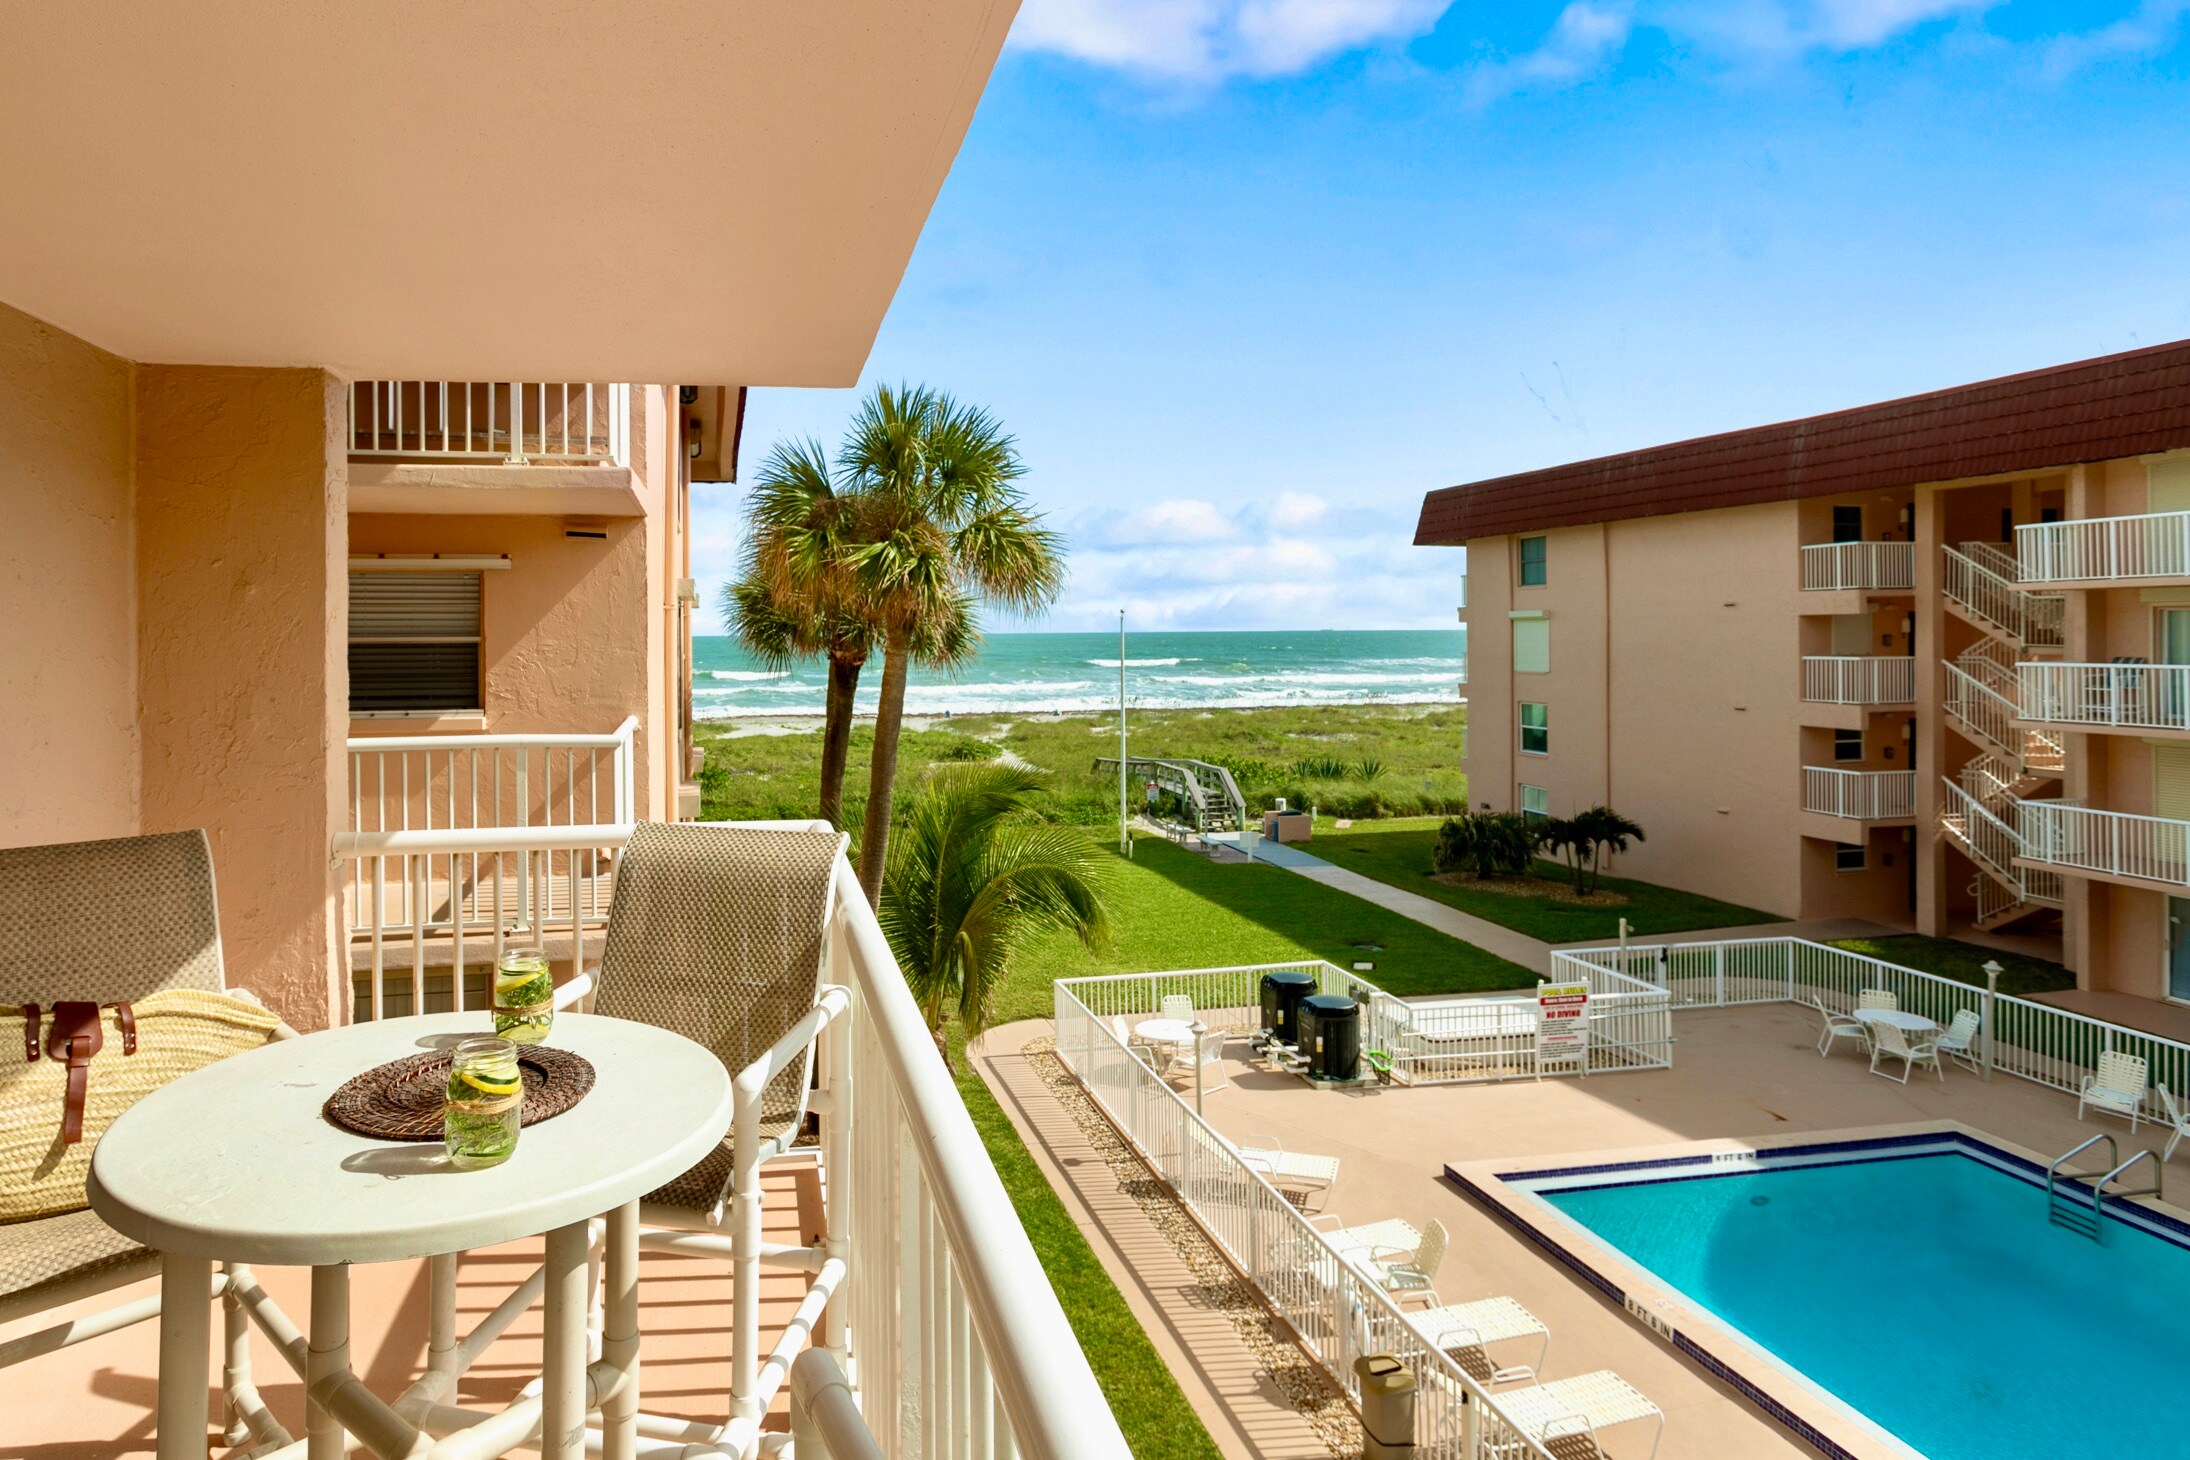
[
  {"x": 1568, "y": 838},
  {"x": 973, "y": 877},
  {"x": 942, "y": 526},
  {"x": 795, "y": 596},
  {"x": 1607, "y": 831}
]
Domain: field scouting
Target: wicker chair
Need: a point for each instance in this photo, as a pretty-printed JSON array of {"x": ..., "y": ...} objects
[
  {"x": 105, "y": 921},
  {"x": 719, "y": 933}
]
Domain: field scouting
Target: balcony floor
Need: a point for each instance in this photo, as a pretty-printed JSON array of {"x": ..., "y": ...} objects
[
  {"x": 95, "y": 1401},
  {"x": 1741, "y": 1072}
]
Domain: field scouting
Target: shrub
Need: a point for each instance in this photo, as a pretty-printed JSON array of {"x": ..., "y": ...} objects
[
  {"x": 1369, "y": 769},
  {"x": 1320, "y": 768},
  {"x": 1486, "y": 844},
  {"x": 965, "y": 747}
]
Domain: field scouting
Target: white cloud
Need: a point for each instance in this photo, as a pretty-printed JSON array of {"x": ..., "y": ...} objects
[
  {"x": 1212, "y": 40},
  {"x": 1297, "y": 509},
  {"x": 1583, "y": 39},
  {"x": 1777, "y": 29},
  {"x": 2147, "y": 30},
  {"x": 1178, "y": 520}
]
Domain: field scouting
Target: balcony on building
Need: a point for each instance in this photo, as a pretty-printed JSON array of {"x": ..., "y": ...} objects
[
  {"x": 1829, "y": 567},
  {"x": 541, "y": 448},
  {"x": 2111, "y": 846},
  {"x": 1868, "y": 680},
  {"x": 1844, "y": 805},
  {"x": 2150, "y": 549},
  {"x": 2123, "y": 697}
]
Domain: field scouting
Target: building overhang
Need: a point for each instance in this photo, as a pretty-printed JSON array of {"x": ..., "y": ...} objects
[{"x": 687, "y": 191}]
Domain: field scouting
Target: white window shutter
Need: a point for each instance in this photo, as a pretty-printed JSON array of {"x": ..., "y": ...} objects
[{"x": 1531, "y": 646}]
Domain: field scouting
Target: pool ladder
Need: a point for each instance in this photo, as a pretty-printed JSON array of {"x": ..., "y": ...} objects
[{"x": 2066, "y": 1208}]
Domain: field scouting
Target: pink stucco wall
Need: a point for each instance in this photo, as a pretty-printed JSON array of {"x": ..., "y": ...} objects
[{"x": 68, "y": 658}]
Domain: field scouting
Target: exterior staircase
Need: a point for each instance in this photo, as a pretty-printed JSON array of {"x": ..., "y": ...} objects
[
  {"x": 1985, "y": 833},
  {"x": 1978, "y": 582}
]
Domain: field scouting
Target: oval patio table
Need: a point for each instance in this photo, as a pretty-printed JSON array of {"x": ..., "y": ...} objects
[
  {"x": 234, "y": 1163},
  {"x": 1900, "y": 1019}
]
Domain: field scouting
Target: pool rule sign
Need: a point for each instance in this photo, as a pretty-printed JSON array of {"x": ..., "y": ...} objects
[{"x": 1562, "y": 1024}]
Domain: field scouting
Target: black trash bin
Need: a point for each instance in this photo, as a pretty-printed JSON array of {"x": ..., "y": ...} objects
[
  {"x": 1282, "y": 991},
  {"x": 1330, "y": 1036}
]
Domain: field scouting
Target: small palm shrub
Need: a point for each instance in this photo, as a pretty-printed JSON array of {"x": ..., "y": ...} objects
[
  {"x": 1485, "y": 844},
  {"x": 1320, "y": 768},
  {"x": 1369, "y": 770}
]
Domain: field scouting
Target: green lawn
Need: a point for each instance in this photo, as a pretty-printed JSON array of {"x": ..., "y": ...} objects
[
  {"x": 1398, "y": 853},
  {"x": 1964, "y": 962}
]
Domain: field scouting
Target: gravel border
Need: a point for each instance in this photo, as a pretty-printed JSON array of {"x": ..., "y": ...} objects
[{"x": 1218, "y": 1285}]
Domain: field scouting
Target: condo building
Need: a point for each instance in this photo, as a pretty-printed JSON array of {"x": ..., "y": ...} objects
[{"x": 1924, "y": 663}]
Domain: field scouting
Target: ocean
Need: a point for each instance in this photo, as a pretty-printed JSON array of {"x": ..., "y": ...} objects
[{"x": 1030, "y": 673}]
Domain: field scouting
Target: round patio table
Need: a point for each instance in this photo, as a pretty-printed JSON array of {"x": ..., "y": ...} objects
[
  {"x": 1900, "y": 1019},
  {"x": 234, "y": 1163},
  {"x": 1165, "y": 1031}
]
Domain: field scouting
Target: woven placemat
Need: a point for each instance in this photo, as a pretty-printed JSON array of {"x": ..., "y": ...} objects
[{"x": 401, "y": 1100}]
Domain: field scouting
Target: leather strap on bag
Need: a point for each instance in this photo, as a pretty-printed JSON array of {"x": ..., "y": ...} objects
[
  {"x": 31, "y": 1016},
  {"x": 75, "y": 1037}
]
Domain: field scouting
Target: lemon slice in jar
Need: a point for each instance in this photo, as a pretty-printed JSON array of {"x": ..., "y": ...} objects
[{"x": 492, "y": 1087}]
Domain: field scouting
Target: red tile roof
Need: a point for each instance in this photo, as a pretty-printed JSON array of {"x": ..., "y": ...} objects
[{"x": 2091, "y": 410}]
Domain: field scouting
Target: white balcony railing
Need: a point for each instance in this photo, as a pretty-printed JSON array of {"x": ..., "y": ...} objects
[
  {"x": 958, "y": 1347},
  {"x": 1859, "y": 679},
  {"x": 2109, "y": 843},
  {"x": 2094, "y": 549},
  {"x": 470, "y": 783},
  {"x": 505, "y": 423},
  {"x": 2132, "y": 696},
  {"x": 1858, "y": 795},
  {"x": 1828, "y": 565}
]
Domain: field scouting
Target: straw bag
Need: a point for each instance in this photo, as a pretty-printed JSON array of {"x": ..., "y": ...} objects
[{"x": 68, "y": 1069}]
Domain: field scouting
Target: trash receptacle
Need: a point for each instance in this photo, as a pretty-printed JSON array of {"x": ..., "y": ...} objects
[
  {"x": 1387, "y": 1407},
  {"x": 1282, "y": 991},
  {"x": 1330, "y": 1036}
]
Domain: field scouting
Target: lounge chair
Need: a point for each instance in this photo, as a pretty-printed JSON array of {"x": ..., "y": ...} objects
[
  {"x": 1959, "y": 1043},
  {"x": 102, "y": 922},
  {"x": 1837, "y": 1027},
  {"x": 1888, "y": 1042},
  {"x": 1574, "y": 1408},
  {"x": 2117, "y": 1087},
  {"x": 1465, "y": 1331},
  {"x": 1311, "y": 1177},
  {"x": 1876, "y": 999},
  {"x": 2175, "y": 1118}
]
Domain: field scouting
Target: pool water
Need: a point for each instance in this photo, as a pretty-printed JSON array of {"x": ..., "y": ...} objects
[{"x": 1930, "y": 1293}]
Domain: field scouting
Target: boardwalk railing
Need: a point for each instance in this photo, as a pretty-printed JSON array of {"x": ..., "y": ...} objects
[
  {"x": 2021, "y": 1037},
  {"x": 1858, "y": 795},
  {"x": 1628, "y": 1022},
  {"x": 496, "y": 423},
  {"x": 1858, "y": 679},
  {"x": 1830, "y": 565},
  {"x": 932, "y": 1296},
  {"x": 2149, "y": 545},
  {"x": 1338, "y": 1312}
]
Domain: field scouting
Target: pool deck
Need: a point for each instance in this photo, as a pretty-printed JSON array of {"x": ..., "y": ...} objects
[{"x": 1749, "y": 1072}]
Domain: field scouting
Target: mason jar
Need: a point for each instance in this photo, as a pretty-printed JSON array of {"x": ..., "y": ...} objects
[
  {"x": 524, "y": 996},
  {"x": 484, "y": 1103}
]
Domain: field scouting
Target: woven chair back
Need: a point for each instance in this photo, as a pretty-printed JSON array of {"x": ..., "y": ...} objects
[
  {"x": 108, "y": 921},
  {"x": 717, "y": 933}
]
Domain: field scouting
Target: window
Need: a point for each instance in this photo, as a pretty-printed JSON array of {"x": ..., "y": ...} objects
[
  {"x": 414, "y": 643},
  {"x": 1532, "y": 646},
  {"x": 1847, "y": 745},
  {"x": 1848, "y": 524},
  {"x": 1536, "y": 729},
  {"x": 1533, "y": 561},
  {"x": 1536, "y": 802},
  {"x": 1850, "y": 859}
]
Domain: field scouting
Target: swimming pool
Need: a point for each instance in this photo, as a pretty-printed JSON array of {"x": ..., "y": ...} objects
[{"x": 1916, "y": 1280}]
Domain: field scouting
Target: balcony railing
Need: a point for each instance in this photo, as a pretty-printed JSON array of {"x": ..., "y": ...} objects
[
  {"x": 1858, "y": 795},
  {"x": 2108, "y": 843},
  {"x": 1859, "y": 679},
  {"x": 960, "y": 1349},
  {"x": 503, "y": 423},
  {"x": 1972, "y": 578},
  {"x": 1829, "y": 565},
  {"x": 2094, "y": 549},
  {"x": 2130, "y": 696},
  {"x": 472, "y": 783}
]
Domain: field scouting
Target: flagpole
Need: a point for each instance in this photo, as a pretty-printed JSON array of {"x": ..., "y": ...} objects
[{"x": 1125, "y": 837}]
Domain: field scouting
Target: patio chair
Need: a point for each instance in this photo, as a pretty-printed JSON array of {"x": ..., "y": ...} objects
[
  {"x": 1959, "y": 1043},
  {"x": 1465, "y": 1332},
  {"x": 1306, "y": 1177},
  {"x": 1837, "y": 1027},
  {"x": 102, "y": 922},
  {"x": 1176, "y": 1006},
  {"x": 1576, "y": 1408},
  {"x": 1402, "y": 1260},
  {"x": 1888, "y": 1042},
  {"x": 1207, "y": 1052},
  {"x": 1877, "y": 999},
  {"x": 2117, "y": 1087},
  {"x": 719, "y": 933},
  {"x": 2175, "y": 1118}
]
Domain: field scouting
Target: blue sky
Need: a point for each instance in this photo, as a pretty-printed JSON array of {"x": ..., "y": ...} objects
[{"x": 1247, "y": 277}]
